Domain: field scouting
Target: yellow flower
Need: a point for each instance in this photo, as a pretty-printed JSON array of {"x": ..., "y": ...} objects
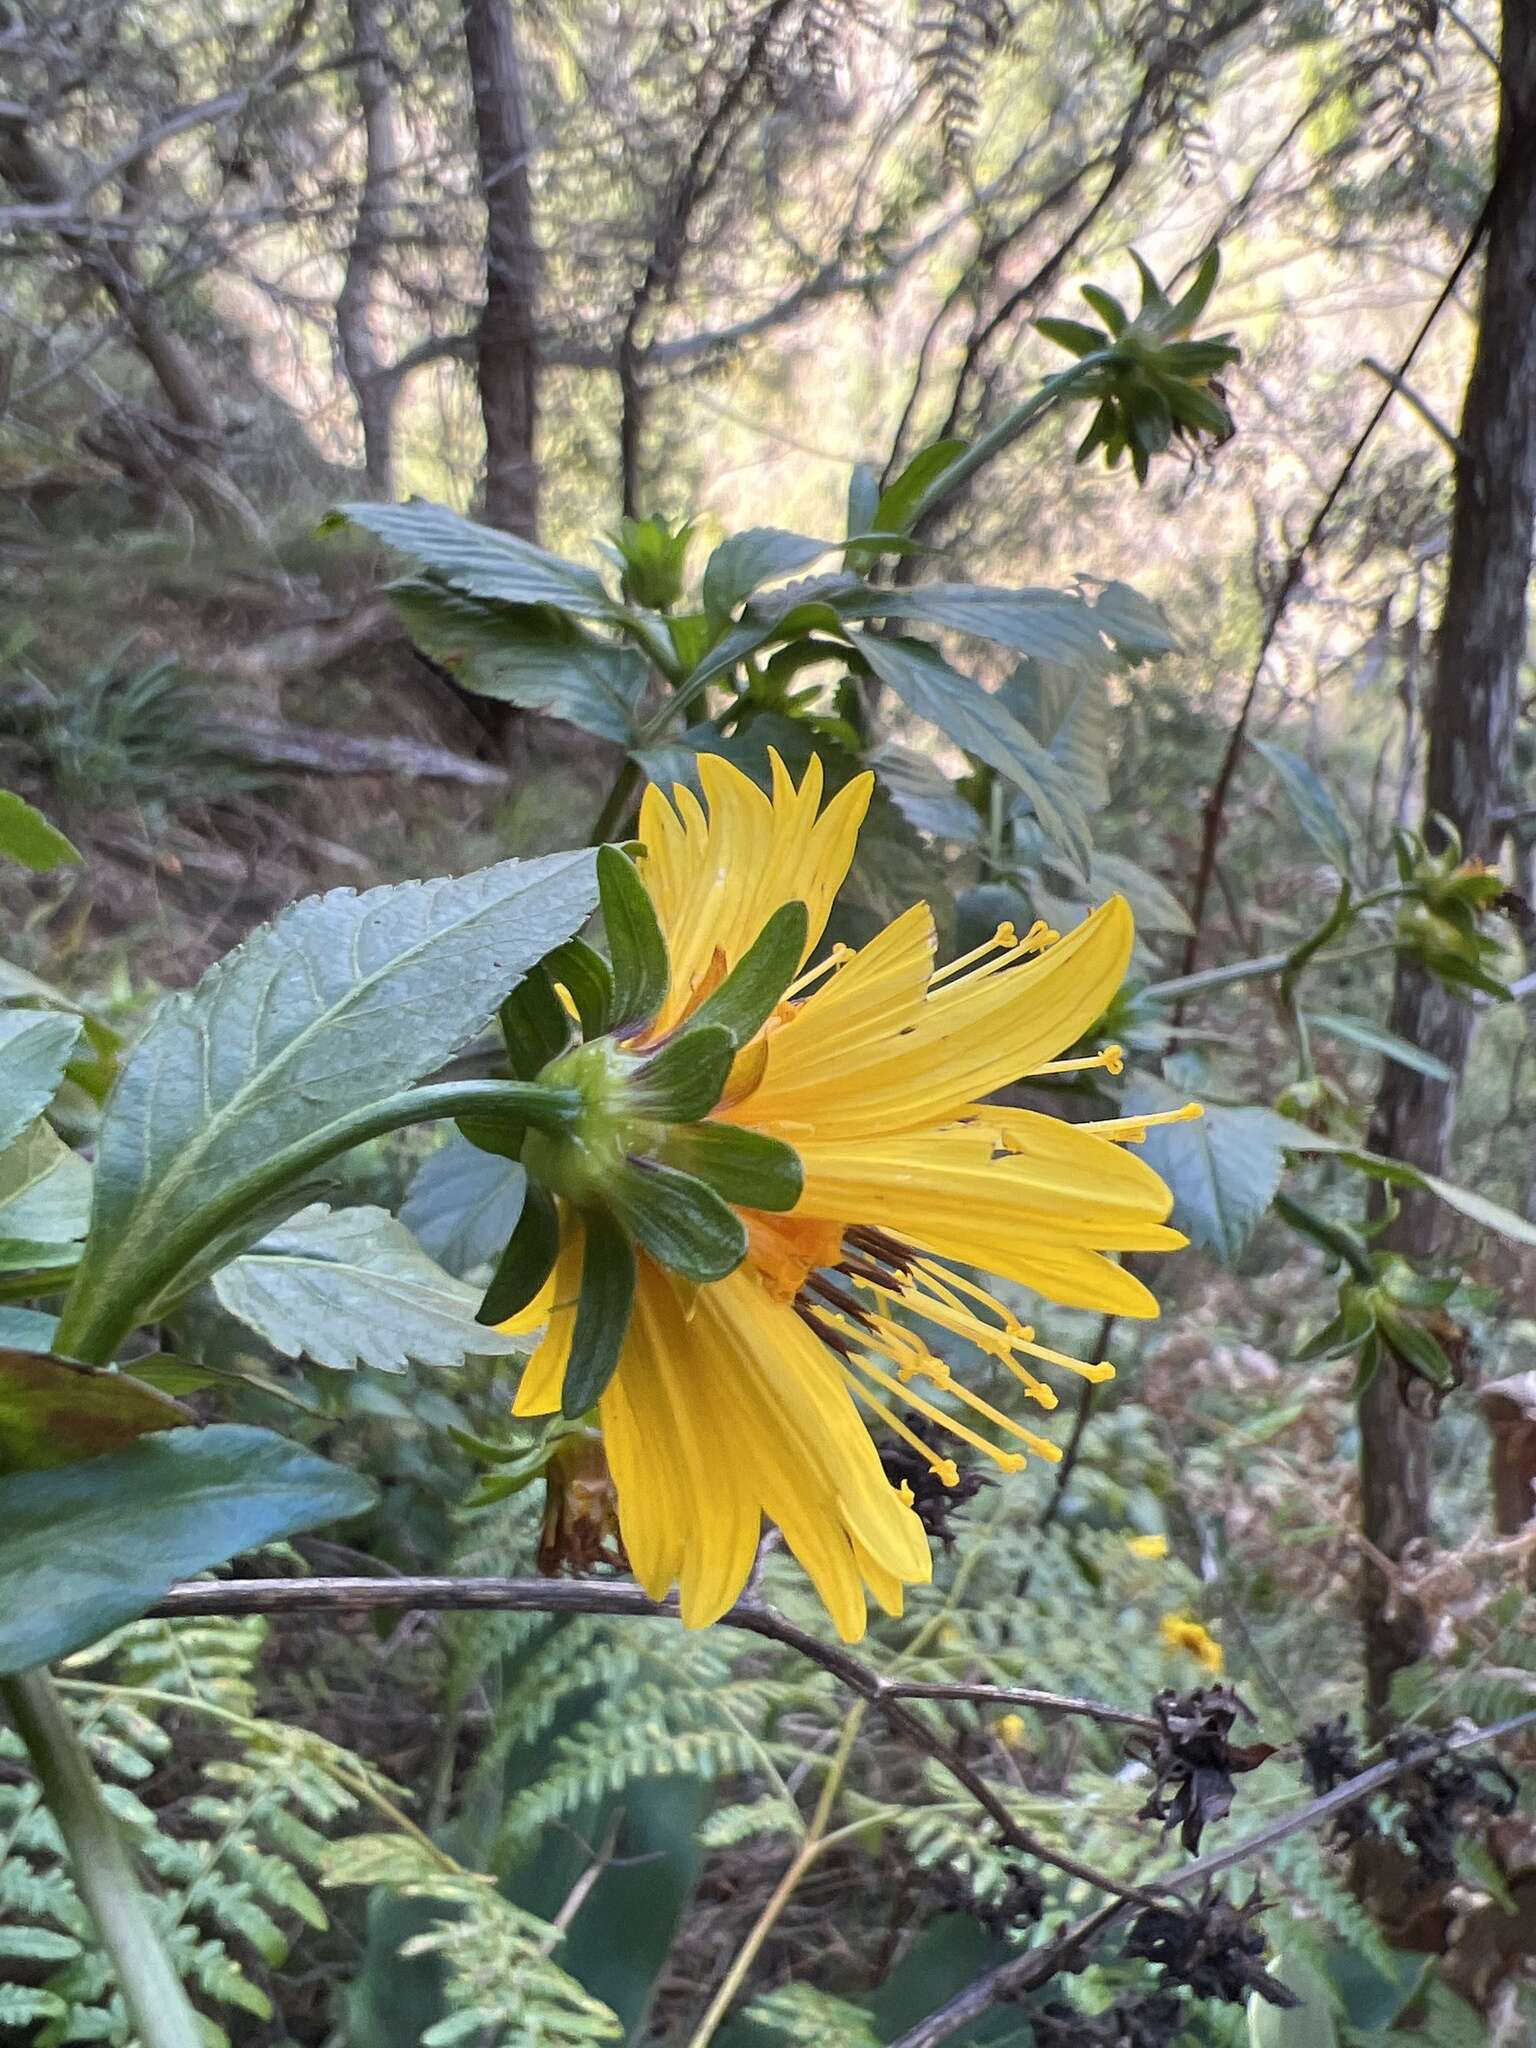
[
  {"x": 740, "y": 1399},
  {"x": 1183, "y": 1632},
  {"x": 1152, "y": 1547},
  {"x": 1010, "y": 1730}
]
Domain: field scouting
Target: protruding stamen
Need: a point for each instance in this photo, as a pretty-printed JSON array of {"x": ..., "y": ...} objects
[
  {"x": 945, "y": 1470},
  {"x": 1095, "y": 1374},
  {"x": 836, "y": 958},
  {"x": 1010, "y": 1461},
  {"x": 1035, "y": 940},
  {"x": 1111, "y": 1059},
  {"x": 1132, "y": 1130},
  {"x": 1005, "y": 938}
]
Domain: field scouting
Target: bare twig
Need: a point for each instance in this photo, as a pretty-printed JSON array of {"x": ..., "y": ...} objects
[
  {"x": 1216, "y": 803},
  {"x": 580, "y": 1596},
  {"x": 1029, "y": 1972}
]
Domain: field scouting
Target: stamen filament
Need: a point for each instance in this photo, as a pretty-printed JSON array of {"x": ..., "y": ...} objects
[
  {"x": 836, "y": 958},
  {"x": 1111, "y": 1059},
  {"x": 944, "y": 1469},
  {"x": 1005, "y": 936},
  {"x": 1010, "y": 1461},
  {"x": 1132, "y": 1130}
]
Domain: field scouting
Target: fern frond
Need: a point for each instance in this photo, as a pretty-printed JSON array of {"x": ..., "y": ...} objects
[{"x": 503, "y": 1989}]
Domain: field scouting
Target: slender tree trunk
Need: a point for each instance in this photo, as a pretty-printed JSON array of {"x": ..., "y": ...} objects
[
  {"x": 507, "y": 361},
  {"x": 111, "y": 265},
  {"x": 1469, "y": 728},
  {"x": 357, "y": 308}
]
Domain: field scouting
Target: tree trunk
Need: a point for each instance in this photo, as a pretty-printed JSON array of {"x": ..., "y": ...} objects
[
  {"x": 507, "y": 360},
  {"x": 111, "y": 265},
  {"x": 358, "y": 312},
  {"x": 1469, "y": 728}
]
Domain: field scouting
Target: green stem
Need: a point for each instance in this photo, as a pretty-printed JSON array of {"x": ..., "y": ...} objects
[
  {"x": 104, "y": 1875},
  {"x": 615, "y": 804},
  {"x": 1007, "y": 431},
  {"x": 94, "y": 1324}
]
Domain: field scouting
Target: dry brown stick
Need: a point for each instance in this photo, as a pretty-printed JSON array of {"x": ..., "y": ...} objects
[
  {"x": 583, "y": 1596},
  {"x": 1216, "y": 803},
  {"x": 1029, "y": 1972}
]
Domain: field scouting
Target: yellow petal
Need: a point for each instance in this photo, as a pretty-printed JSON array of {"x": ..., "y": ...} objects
[
  {"x": 716, "y": 877},
  {"x": 912, "y": 1059},
  {"x": 543, "y": 1378},
  {"x": 1040, "y": 1224}
]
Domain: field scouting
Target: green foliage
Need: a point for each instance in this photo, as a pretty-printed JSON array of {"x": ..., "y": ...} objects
[
  {"x": 232, "y": 1879},
  {"x": 352, "y": 1287},
  {"x": 308, "y": 1009},
  {"x": 88, "y": 1546},
  {"x": 27, "y": 836},
  {"x": 503, "y": 1989}
]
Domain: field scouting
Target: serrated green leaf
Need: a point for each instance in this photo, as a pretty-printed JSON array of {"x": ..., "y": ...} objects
[
  {"x": 1067, "y": 710},
  {"x": 602, "y": 1313},
  {"x": 1155, "y": 908},
  {"x": 976, "y": 720},
  {"x": 463, "y": 1205},
  {"x": 745, "y": 1000},
  {"x": 90, "y": 1546},
  {"x": 481, "y": 559},
  {"x": 1133, "y": 622},
  {"x": 45, "y": 1198},
  {"x": 340, "y": 1002},
  {"x": 351, "y": 1287},
  {"x": 54, "y": 1413},
  {"x": 1223, "y": 1168},
  {"x": 927, "y": 799},
  {"x": 1051, "y": 625},
  {"x": 527, "y": 1259},
  {"x": 682, "y": 1223},
  {"x": 636, "y": 949},
  {"x": 528, "y": 656},
  {"x": 26, "y": 836},
  {"x": 745, "y": 1167},
  {"x": 744, "y": 561},
  {"x": 35, "y": 1048}
]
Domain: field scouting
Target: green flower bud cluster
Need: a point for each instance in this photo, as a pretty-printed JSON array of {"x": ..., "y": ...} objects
[
  {"x": 1153, "y": 382},
  {"x": 1442, "y": 922}
]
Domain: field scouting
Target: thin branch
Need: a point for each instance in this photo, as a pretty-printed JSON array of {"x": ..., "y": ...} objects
[
  {"x": 580, "y": 1596},
  {"x": 1028, "y": 1972},
  {"x": 1216, "y": 803}
]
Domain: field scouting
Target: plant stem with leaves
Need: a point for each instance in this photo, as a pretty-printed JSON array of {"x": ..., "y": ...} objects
[{"x": 104, "y": 1874}]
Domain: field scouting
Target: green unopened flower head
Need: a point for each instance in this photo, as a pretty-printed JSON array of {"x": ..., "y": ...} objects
[{"x": 1154, "y": 381}]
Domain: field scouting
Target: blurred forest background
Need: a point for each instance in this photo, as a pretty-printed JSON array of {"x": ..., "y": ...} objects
[{"x": 558, "y": 263}]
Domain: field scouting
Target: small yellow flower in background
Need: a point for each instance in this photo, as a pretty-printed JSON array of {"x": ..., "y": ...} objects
[
  {"x": 1183, "y": 1632},
  {"x": 738, "y": 1398},
  {"x": 1153, "y": 1547},
  {"x": 1010, "y": 1730}
]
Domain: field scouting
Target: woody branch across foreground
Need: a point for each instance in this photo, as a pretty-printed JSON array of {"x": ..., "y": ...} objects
[{"x": 890, "y": 1696}]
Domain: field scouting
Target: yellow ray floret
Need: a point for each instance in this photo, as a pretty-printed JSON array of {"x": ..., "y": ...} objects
[{"x": 743, "y": 1400}]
